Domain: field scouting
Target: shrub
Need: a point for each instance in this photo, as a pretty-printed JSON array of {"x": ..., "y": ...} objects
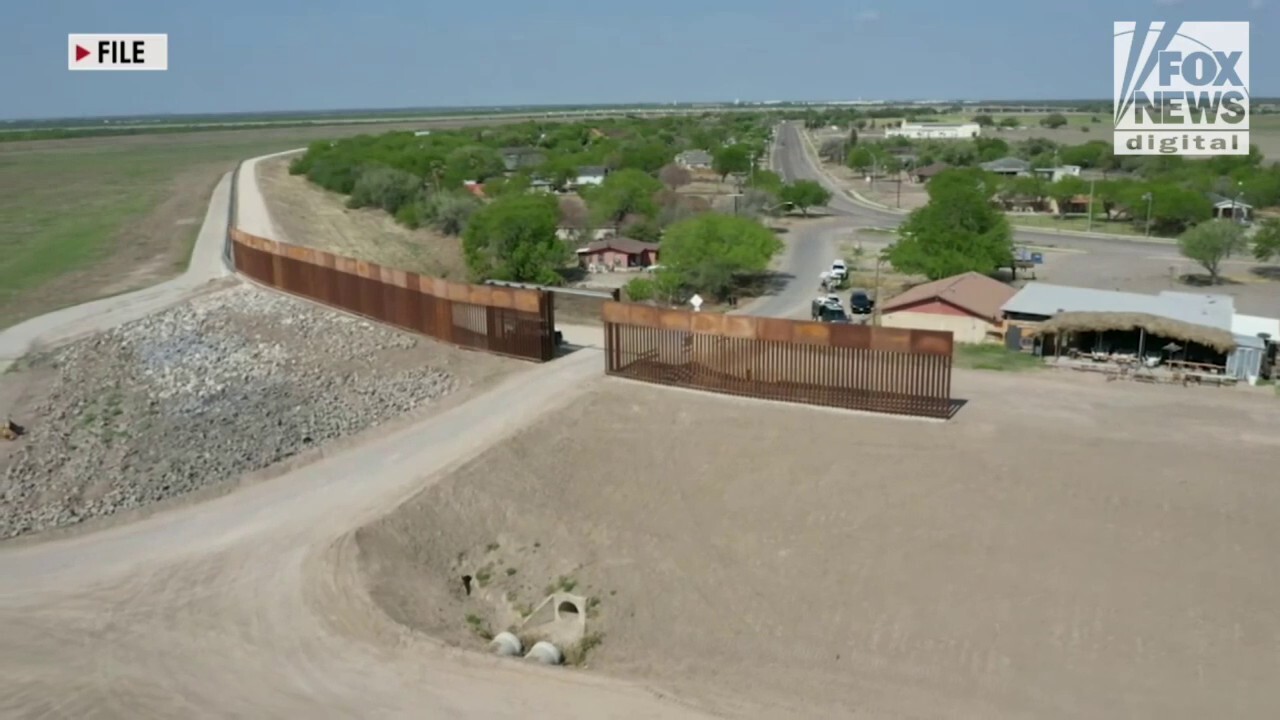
[
  {"x": 639, "y": 290},
  {"x": 383, "y": 187},
  {"x": 450, "y": 212}
]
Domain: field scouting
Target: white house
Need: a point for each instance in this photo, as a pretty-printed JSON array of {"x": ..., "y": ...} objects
[
  {"x": 1226, "y": 208},
  {"x": 935, "y": 131},
  {"x": 590, "y": 175}
]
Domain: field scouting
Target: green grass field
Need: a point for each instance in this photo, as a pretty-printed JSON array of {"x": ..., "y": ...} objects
[{"x": 89, "y": 217}]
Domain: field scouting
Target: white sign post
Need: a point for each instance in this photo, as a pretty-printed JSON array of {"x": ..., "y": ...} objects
[{"x": 696, "y": 302}]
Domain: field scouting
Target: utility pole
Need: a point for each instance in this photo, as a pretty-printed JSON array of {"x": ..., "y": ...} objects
[
  {"x": 1089, "y": 227},
  {"x": 1150, "y": 199},
  {"x": 875, "y": 309}
]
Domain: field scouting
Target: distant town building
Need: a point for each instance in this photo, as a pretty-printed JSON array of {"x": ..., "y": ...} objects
[
  {"x": 1008, "y": 166},
  {"x": 935, "y": 131},
  {"x": 1225, "y": 208},
  {"x": 694, "y": 159},
  {"x": 590, "y": 175},
  {"x": 1054, "y": 174}
]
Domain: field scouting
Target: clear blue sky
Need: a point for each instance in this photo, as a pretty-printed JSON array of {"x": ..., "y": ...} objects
[{"x": 260, "y": 55}]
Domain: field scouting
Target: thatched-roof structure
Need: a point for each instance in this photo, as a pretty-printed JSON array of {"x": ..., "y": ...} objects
[{"x": 1209, "y": 337}]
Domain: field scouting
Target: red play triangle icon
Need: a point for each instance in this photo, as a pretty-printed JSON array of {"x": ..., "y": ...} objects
[{"x": 81, "y": 53}]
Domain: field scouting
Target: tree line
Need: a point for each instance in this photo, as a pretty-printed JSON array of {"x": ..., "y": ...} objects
[
  {"x": 959, "y": 231},
  {"x": 1173, "y": 190},
  {"x": 511, "y": 234}
]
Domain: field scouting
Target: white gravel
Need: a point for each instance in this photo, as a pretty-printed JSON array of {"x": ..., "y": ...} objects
[{"x": 223, "y": 385}]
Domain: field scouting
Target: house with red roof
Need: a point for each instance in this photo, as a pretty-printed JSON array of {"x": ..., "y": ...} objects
[{"x": 967, "y": 305}]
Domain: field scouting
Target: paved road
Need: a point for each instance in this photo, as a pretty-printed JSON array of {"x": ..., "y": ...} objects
[{"x": 796, "y": 163}]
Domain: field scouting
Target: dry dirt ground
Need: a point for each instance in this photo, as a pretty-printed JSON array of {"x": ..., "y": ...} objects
[
  {"x": 1064, "y": 548},
  {"x": 193, "y": 398},
  {"x": 309, "y": 215}
]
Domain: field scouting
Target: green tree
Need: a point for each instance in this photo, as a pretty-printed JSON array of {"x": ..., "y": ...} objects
[
  {"x": 1065, "y": 189},
  {"x": 853, "y": 136},
  {"x": 623, "y": 193},
  {"x": 957, "y": 231},
  {"x": 1053, "y": 120},
  {"x": 639, "y": 290},
  {"x": 1209, "y": 243},
  {"x": 559, "y": 170},
  {"x": 499, "y": 186},
  {"x": 644, "y": 229},
  {"x": 984, "y": 120},
  {"x": 514, "y": 238},
  {"x": 1023, "y": 189},
  {"x": 1010, "y": 122},
  {"x": 860, "y": 158},
  {"x": 1174, "y": 208},
  {"x": 384, "y": 187},
  {"x": 472, "y": 162},
  {"x": 449, "y": 212},
  {"x": 709, "y": 252},
  {"x": 804, "y": 194},
  {"x": 989, "y": 148},
  {"x": 731, "y": 159},
  {"x": 767, "y": 180},
  {"x": 646, "y": 156},
  {"x": 1266, "y": 241},
  {"x": 756, "y": 202}
]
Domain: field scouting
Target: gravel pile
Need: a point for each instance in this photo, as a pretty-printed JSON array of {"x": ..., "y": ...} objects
[{"x": 201, "y": 394}]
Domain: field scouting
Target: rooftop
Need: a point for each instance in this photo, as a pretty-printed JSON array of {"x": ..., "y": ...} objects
[
  {"x": 1224, "y": 201},
  {"x": 631, "y": 246},
  {"x": 1046, "y": 300},
  {"x": 1007, "y": 163},
  {"x": 973, "y": 292}
]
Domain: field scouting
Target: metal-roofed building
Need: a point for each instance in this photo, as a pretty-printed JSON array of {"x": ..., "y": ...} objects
[
  {"x": 1040, "y": 301},
  {"x": 1125, "y": 322},
  {"x": 1007, "y": 166}
]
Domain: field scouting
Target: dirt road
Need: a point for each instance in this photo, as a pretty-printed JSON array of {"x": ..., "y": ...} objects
[{"x": 249, "y": 605}]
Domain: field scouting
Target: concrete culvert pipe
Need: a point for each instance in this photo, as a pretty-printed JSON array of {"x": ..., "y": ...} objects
[
  {"x": 506, "y": 644},
  {"x": 545, "y": 653}
]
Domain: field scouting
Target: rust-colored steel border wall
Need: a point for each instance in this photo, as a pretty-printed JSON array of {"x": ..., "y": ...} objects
[
  {"x": 857, "y": 367},
  {"x": 507, "y": 321}
]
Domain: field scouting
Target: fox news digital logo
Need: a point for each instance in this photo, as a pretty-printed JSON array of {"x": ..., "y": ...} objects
[{"x": 1182, "y": 88}]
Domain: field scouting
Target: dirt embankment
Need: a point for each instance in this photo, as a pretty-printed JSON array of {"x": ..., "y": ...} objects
[
  {"x": 311, "y": 216},
  {"x": 1060, "y": 549}
]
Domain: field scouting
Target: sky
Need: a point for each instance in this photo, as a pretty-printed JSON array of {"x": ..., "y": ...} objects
[{"x": 291, "y": 55}]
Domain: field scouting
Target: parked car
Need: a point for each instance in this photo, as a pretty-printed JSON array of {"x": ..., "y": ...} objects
[
  {"x": 861, "y": 303},
  {"x": 828, "y": 309},
  {"x": 839, "y": 269}
]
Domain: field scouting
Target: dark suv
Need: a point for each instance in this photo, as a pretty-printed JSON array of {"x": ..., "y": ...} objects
[
  {"x": 860, "y": 303},
  {"x": 826, "y": 311}
]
